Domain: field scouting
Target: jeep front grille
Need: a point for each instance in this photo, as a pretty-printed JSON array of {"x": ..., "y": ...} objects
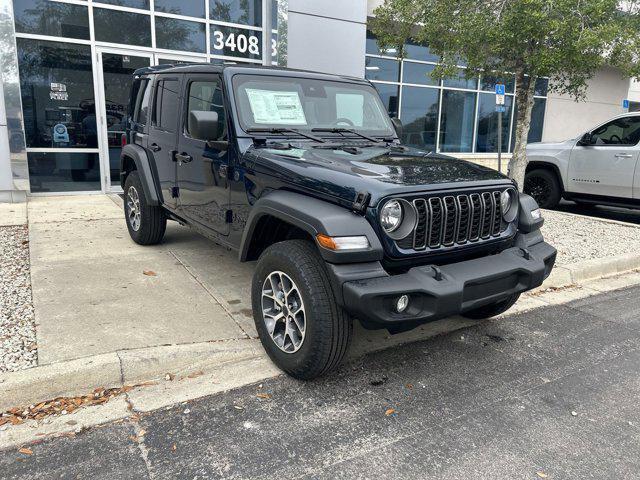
[{"x": 449, "y": 220}]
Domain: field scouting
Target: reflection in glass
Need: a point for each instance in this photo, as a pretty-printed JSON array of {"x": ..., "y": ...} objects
[
  {"x": 488, "y": 83},
  {"x": 420, "y": 116},
  {"x": 51, "y": 18},
  {"x": 542, "y": 87},
  {"x": 382, "y": 69},
  {"x": 244, "y": 12},
  {"x": 418, "y": 73},
  {"x": 122, "y": 27},
  {"x": 372, "y": 47},
  {"x": 173, "y": 34},
  {"x": 537, "y": 122},
  {"x": 456, "y": 128},
  {"x": 192, "y": 8},
  {"x": 57, "y": 94},
  {"x": 461, "y": 81},
  {"x": 143, "y": 4},
  {"x": 416, "y": 51},
  {"x": 118, "y": 78},
  {"x": 63, "y": 172},
  {"x": 236, "y": 42},
  {"x": 389, "y": 96},
  {"x": 487, "y": 141}
]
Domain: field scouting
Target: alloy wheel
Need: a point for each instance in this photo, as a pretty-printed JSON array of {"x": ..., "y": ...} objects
[
  {"x": 283, "y": 311},
  {"x": 134, "y": 214},
  {"x": 539, "y": 189}
]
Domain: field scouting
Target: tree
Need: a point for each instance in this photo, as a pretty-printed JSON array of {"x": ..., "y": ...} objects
[{"x": 564, "y": 40}]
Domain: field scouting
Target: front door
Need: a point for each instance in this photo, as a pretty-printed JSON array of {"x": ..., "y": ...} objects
[
  {"x": 607, "y": 165},
  {"x": 116, "y": 69},
  {"x": 203, "y": 170}
]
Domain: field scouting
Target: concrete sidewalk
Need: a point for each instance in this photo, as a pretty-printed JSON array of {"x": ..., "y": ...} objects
[{"x": 112, "y": 313}]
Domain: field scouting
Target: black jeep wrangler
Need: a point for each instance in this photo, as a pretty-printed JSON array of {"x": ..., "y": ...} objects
[{"x": 305, "y": 173}]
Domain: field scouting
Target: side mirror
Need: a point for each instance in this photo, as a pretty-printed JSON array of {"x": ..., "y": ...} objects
[
  {"x": 397, "y": 125},
  {"x": 203, "y": 125},
  {"x": 587, "y": 139}
]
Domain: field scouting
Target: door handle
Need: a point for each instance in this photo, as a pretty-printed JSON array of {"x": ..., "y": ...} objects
[
  {"x": 623, "y": 155},
  {"x": 154, "y": 147},
  {"x": 183, "y": 158}
]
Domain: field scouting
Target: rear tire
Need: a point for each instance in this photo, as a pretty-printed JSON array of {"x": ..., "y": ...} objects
[
  {"x": 146, "y": 223},
  {"x": 544, "y": 187},
  {"x": 295, "y": 266},
  {"x": 493, "y": 309}
]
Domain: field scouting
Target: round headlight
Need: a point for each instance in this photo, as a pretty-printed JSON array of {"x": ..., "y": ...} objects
[
  {"x": 509, "y": 205},
  {"x": 391, "y": 216}
]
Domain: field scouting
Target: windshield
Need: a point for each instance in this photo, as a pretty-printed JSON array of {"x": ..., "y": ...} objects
[{"x": 269, "y": 102}]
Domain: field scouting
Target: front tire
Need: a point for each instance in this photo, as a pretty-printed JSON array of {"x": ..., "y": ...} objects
[
  {"x": 300, "y": 325},
  {"x": 146, "y": 223},
  {"x": 493, "y": 309},
  {"x": 544, "y": 187}
]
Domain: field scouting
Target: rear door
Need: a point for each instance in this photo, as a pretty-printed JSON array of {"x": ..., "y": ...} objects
[
  {"x": 203, "y": 170},
  {"x": 607, "y": 166},
  {"x": 163, "y": 133}
]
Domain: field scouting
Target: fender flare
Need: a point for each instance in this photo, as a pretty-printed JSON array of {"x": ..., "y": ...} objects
[
  {"x": 143, "y": 165},
  {"x": 535, "y": 164},
  {"x": 314, "y": 216}
]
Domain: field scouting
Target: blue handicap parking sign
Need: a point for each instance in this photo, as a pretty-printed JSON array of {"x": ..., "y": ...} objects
[
  {"x": 625, "y": 104},
  {"x": 500, "y": 89}
]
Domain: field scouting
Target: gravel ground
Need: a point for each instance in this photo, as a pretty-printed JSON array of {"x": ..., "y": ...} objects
[
  {"x": 18, "y": 348},
  {"x": 579, "y": 238}
]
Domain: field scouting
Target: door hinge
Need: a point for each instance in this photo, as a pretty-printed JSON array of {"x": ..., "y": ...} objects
[
  {"x": 175, "y": 192},
  {"x": 228, "y": 216}
]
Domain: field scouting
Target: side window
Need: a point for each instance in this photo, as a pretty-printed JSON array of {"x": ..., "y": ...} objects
[
  {"x": 207, "y": 96},
  {"x": 621, "y": 131},
  {"x": 166, "y": 105},
  {"x": 141, "y": 107}
]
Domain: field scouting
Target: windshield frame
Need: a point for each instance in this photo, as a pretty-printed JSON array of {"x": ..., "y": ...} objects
[{"x": 241, "y": 77}]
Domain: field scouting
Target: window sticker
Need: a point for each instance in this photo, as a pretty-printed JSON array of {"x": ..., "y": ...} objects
[
  {"x": 351, "y": 107},
  {"x": 274, "y": 107}
]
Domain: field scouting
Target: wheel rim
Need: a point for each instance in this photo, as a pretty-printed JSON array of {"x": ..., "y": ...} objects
[
  {"x": 133, "y": 209},
  {"x": 539, "y": 189},
  {"x": 283, "y": 312}
]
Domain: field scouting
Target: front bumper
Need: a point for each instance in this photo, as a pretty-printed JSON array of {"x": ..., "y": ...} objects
[{"x": 461, "y": 287}]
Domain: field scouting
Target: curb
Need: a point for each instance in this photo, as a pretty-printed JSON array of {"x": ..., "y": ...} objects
[
  {"x": 563, "y": 276},
  {"x": 117, "y": 369}
]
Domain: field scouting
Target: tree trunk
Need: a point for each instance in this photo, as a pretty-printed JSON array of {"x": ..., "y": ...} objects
[{"x": 525, "y": 90}]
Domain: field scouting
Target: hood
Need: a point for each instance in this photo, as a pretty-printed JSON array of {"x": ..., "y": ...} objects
[
  {"x": 378, "y": 170},
  {"x": 546, "y": 146}
]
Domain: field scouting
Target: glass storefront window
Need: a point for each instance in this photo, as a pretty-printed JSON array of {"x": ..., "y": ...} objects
[
  {"x": 537, "y": 122},
  {"x": 420, "y": 116},
  {"x": 51, "y": 18},
  {"x": 419, "y": 73},
  {"x": 122, "y": 27},
  {"x": 382, "y": 69},
  {"x": 143, "y": 4},
  {"x": 542, "y": 87},
  {"x": 192, "y": 8},
  {"x": 236, "y": 42},
  {"x": 487, "y": 136},
  {"x": 58, "y": 102},
  {"x": 63, "y": 172},
  {"x": 173, "y": 34},
  {"x": 416, "y": 51},
  {"x": 456, "y": 125},
  {"x": 461, "y": 81},
  {"x": 389, "y": 96},
  {"x": 372, "y": 47},
  {"x": 488, "y": 83},
  {"x": 244, "y": 12}
]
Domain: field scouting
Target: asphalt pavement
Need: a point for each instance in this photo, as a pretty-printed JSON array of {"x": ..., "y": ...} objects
[{"x": 552, "y": 393}]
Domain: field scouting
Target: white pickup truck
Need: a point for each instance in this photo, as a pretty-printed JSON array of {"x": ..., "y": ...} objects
[{"x": 597, "y": 168}]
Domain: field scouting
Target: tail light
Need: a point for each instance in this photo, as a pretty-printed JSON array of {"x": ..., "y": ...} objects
[{"x": 123, "y": 140}]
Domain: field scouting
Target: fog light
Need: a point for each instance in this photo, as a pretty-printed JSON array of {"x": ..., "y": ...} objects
[{"x": 402, "y": 303}]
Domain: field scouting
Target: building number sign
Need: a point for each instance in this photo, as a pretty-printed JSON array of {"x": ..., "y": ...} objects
[{"x": 236, "y": 42}]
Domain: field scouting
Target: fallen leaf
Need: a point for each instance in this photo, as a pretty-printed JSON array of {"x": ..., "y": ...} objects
[
  {"x": 542, "y": 474},
  {"x": 173, "y": 447},
  {"x": 26, "y": 451},
  {"x": 264, "y": 396},
  {"x": 150, "y": 273},
  {"x": 195, "y": 374},
  {"x": 389, "y": 411},
  {"x": 409, "y": 386}
]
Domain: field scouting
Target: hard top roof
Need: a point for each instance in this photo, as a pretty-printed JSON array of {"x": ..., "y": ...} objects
[{"x": 239, "y": 68}]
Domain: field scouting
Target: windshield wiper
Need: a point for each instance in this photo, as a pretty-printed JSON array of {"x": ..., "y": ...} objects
[
  {"x": 346, "y": 130},
  {"x": 286, "y": 130}
]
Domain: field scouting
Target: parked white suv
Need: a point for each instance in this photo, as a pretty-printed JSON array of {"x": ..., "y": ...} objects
[{"x": 599, "y": 167}]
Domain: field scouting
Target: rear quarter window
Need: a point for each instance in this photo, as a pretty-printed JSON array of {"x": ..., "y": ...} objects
[{"x": 165, "y": 110}]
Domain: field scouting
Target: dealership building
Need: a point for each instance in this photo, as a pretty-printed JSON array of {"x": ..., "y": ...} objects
[{"x": 67, "y": 67}]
